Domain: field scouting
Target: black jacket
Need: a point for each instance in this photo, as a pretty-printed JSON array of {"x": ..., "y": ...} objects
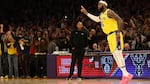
[
  {"x": 2, "y": 44},
  {"x": 79, "y": 39}
]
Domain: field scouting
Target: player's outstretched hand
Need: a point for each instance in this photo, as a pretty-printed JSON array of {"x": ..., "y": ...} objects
[{"x": 83, "y": 10}]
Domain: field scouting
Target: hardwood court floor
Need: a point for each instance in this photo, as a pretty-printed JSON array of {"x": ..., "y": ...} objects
[{"x": 74, "y": 81}]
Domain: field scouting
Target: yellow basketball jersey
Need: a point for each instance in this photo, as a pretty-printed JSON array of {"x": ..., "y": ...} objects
[{"x": 108, "y": 24}]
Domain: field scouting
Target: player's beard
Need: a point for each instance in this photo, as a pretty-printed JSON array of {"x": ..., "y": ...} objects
[{"x": 101, "y": 9}]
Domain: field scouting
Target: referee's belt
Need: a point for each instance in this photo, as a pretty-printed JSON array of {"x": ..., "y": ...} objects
[{"x": 112, "y": 32}]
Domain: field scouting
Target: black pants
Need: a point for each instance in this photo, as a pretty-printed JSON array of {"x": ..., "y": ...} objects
[
  {"x": 5, "y": 64},
  {"x": 24, "y": 60},
  {"x": 77, "y": 56},
  {"x": 38, "y": 65}
]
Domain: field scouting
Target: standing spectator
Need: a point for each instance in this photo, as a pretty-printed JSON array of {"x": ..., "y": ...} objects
[
  {"x": 79, "y": 43},
  {"x": 40, "y": 59},
  {"x": 5, "y": 56},
  {"x": 1, "y": 50},
  {"x": 33, "y": 59},
  {"x": 23, "y": 50},
  {"x": 52, "y": 45},
  {"x": 1, "y": 54},
  {"x": 12, "y": 58}
]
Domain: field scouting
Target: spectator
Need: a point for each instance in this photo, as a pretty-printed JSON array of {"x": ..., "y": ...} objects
[
  {"x": 63, "y": 41},
  {"x": 24, "y": 51},
  {"x": 52, "y": 45},
  {"x": 92, "y": 38},
  {"x": 5, "y": 56},
  {"x": 12, "y": 58},
  {"x": 1, "y": 54},
  {"x": 127, "y": 47}
]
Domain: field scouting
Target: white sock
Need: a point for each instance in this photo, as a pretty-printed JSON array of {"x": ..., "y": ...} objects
[
  {"x": 124, "y": 71},
  {"x": 120, "y": 61}
]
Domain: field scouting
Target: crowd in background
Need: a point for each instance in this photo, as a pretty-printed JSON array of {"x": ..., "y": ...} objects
[{"x": 43, "y": 33}]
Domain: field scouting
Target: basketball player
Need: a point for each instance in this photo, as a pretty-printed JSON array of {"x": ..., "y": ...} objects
[{"x": 112, "y": 25}]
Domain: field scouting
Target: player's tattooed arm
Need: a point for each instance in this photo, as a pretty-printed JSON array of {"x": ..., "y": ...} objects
[{"x": 115, "y": 16}]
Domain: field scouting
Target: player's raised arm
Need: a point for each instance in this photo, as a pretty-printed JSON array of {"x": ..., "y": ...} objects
[{"x": 92, "y": 17}]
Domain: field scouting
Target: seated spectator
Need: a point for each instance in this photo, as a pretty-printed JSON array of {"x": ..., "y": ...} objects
[
  {"x": 127, "y": 47},
  {"x": 92, "y": 38}
]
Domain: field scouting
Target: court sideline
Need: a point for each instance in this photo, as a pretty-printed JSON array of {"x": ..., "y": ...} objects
[{"x": 74, "y": 81}]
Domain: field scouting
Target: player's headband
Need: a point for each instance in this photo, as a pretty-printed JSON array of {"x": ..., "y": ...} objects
[{"x": 103, "y": 2}]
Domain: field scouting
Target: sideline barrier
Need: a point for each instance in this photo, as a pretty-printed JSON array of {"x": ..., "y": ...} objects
[{"x": 100, "y": 64}]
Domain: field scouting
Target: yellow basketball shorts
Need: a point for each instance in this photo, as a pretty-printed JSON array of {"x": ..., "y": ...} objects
[{"x": 112, "y": 41}]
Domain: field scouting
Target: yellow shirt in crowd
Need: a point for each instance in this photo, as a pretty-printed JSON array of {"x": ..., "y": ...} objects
[{"x": 11, "y": 50}]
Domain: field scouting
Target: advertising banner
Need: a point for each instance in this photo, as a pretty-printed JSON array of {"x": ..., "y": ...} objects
[{"x": 105, "y": 66}]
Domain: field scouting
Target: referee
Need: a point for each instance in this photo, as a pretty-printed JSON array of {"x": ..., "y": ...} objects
[{"x": 79, "y": 43}]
